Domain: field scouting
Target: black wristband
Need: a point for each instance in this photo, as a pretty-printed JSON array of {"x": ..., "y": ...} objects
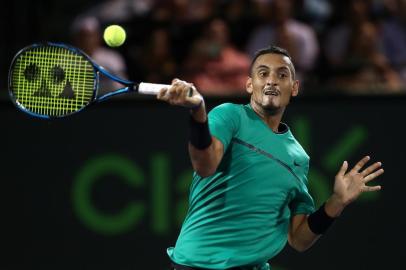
[
  {"x": 319, "y": 221},
  {"x": 199, "y": 135}
]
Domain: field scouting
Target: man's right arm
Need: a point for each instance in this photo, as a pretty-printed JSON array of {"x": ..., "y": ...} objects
[
  {"x": 205, "y": 150},
  {"x": 205, "y": 161}
]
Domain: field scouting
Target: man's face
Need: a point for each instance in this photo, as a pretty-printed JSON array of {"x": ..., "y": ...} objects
[{"x": 271, "y": 83}]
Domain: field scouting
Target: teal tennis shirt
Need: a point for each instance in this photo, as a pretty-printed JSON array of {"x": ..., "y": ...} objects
[{"x": 240, "y": 215}]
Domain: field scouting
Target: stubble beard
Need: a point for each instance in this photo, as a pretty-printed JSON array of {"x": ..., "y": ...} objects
[
  {"x": 268, "y": 109},
  {"x": 271, "y": 110}
]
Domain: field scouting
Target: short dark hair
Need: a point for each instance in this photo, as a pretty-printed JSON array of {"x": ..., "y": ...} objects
[{"x": 275, "y": 50}]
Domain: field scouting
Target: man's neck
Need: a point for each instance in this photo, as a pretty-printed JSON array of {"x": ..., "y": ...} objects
[{"x": 271, "y": 118}]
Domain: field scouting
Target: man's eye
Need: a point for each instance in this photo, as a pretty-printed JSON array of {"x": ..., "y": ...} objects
[
  {"x": 262, "y": 74},
  {"x": 283, "y": 75}
]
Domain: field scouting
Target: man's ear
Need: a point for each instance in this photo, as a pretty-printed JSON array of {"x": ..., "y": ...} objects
[
  {"x": 295, "y": 89},
  {"x": 248, "y": 85}
]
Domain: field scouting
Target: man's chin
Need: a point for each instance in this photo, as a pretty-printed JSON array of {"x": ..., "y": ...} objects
[
  {"x": 271, "y": 110},
  {"x": 269, "y": 107}
]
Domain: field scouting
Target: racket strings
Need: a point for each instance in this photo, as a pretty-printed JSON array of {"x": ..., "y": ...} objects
[{"x": 52, "y": 80}]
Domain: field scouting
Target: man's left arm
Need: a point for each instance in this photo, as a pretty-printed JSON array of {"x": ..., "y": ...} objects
[{"x": 306, "y": 229}]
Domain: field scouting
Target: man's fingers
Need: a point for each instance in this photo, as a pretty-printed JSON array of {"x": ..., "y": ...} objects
[
  {"x": 181, "y": 93},
  {"x": 179, "y": 88},
  {"x": 373, "y": 188},
  {"x": 184, "y": 90},
  {"x": 190, "y": 92},
  {"x": 172, "y": 92},
  {"x": 371, "y": 168},
  {"x": 162, "y": 94},
  {"x": 343, "y": 168},
  {"x": 177, "y": 92},
  {"x": 373, "y": 175},
  {"x": 360, "y": 164}
]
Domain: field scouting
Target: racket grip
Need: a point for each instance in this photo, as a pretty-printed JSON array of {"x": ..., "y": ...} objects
[{"x": 151, "y": 88}]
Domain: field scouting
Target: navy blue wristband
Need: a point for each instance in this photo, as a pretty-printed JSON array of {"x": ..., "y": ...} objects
[
  {"x": 199, "y": 135},
  {"x": 319, "y": 221}
]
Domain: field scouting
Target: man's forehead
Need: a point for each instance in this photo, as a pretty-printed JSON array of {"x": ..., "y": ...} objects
[{"x": 272, "y": 59}]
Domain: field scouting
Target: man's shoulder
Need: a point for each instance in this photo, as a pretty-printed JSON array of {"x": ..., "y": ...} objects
[
  {"x": 230, "y": 114},
  {"x": 228, "y": 108},
  {"x": 299, "y": 148}
]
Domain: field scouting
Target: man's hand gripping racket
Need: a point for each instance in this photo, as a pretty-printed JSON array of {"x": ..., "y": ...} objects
[{"x": 181, "y": 93}]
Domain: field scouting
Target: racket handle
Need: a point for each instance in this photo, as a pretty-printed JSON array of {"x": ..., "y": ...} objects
[{"x": 151, "y": 88}]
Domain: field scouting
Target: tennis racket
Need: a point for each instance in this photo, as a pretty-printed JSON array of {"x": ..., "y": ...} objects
[{"x": 53, "y": 80}]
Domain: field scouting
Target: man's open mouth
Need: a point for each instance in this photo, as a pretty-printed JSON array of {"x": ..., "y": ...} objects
[{"x": 271, "y": 92}]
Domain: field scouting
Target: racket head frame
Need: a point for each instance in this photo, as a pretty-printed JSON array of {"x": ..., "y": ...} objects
[{"x": 97, "y": 70}]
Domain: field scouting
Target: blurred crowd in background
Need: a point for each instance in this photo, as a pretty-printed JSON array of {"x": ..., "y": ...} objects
[{"x": 339, "y": 47}]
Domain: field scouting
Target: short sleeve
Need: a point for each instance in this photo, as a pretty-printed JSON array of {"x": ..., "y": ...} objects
[
  {"x": 303, "y": 202},
  {"x": 224, "y": 122}
]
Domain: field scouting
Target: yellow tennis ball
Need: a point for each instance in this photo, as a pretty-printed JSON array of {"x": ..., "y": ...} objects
[{"x": 114, "y": 35}]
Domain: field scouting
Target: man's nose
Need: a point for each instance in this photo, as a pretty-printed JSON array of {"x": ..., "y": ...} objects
[{"x": 272, "y": 79}]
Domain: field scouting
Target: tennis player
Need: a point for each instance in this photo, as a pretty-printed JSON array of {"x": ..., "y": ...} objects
[{"x": 249, "y": 192}]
